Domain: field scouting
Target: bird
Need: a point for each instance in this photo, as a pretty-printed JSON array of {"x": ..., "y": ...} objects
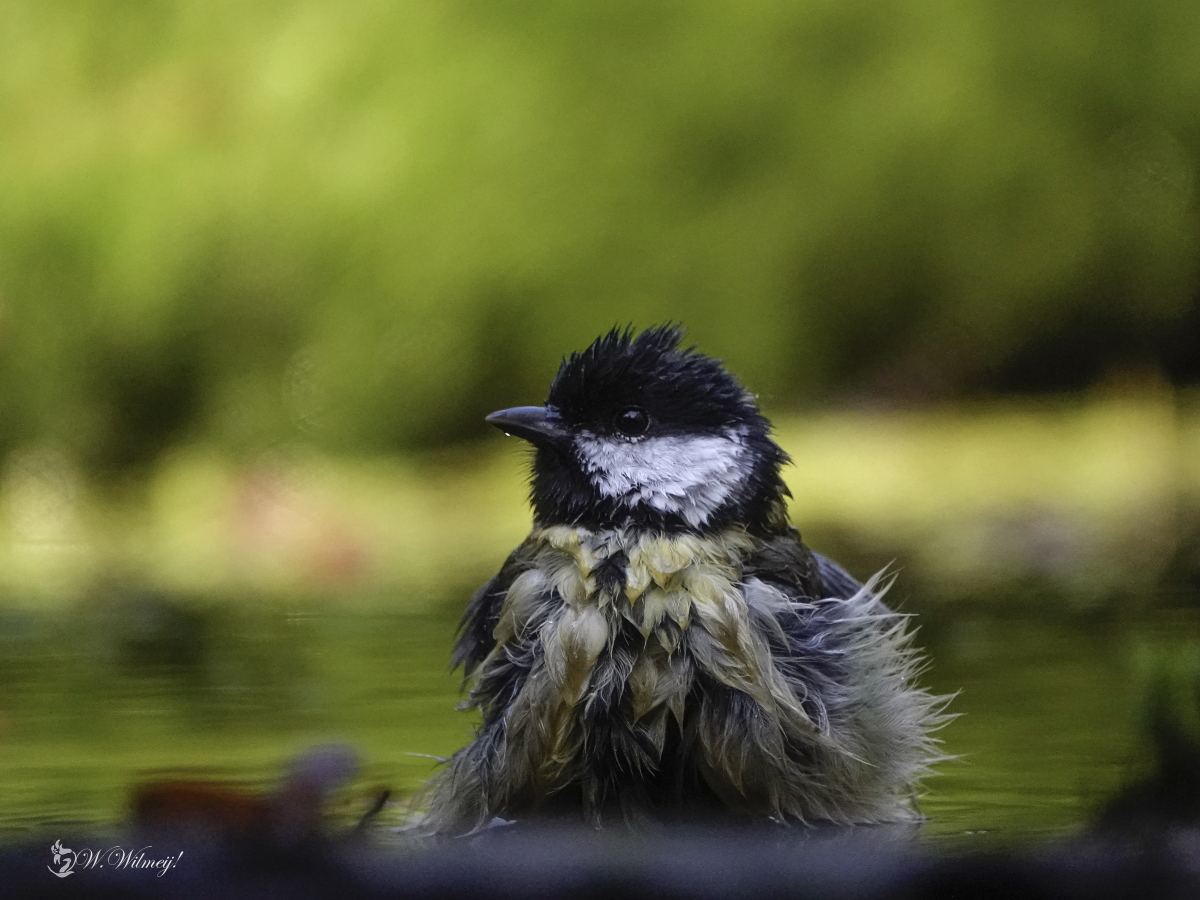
[{"x": 663, "y": 647}]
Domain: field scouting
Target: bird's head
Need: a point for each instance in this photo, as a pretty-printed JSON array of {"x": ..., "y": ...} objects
[{"x": 638, "y": 432}]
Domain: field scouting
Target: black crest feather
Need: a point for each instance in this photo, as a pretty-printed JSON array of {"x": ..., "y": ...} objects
[{"x": 620, "y": 369}]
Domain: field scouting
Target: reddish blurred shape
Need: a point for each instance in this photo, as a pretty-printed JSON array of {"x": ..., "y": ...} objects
[{"x": 289, "y": 814}]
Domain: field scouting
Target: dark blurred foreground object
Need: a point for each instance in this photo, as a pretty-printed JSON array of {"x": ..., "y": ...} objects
[
  {"x": 1167, "y": 803},
  {"x": 865, "y": 863},
  {"x": 290, "y": 814}
]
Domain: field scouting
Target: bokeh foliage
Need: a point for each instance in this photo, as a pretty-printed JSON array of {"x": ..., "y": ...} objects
[
  {"x": 238, "y": 240},
  {"x": 368, "y": 223}
]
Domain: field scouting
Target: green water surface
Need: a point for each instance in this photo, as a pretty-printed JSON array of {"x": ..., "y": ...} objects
[{"x": 108, "y": 695}]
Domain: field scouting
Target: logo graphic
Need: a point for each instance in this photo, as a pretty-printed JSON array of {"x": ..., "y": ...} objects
[
  {"x": 64, "y": 858},
  {"x": 68, "y": 861}
]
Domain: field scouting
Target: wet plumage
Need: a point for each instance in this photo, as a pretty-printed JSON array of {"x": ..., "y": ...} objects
[{"x": 663, "y": 645}]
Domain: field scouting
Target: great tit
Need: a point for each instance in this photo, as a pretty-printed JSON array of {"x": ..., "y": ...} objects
[{"x": 663, "y": 646}]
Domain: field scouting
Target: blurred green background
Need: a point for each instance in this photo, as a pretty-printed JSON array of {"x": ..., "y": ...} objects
[{"x": 264, "y": 268}]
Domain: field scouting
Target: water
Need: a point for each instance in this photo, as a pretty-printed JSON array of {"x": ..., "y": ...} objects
[
  {"x": 1051, "y": 713},
  {"x": 100, "y": 698}
]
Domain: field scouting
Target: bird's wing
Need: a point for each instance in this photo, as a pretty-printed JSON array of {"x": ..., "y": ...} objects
[
  {"x": 785, "y": 563},
  {"x": 803, "y": 574},
  {"x": 834, "y": 580},
  {"x": 848, "y": 661},
  {"x": 475, "y": 638}
]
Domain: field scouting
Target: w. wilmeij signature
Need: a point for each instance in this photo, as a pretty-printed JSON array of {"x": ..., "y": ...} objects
[{"x": 68, "y": 861}]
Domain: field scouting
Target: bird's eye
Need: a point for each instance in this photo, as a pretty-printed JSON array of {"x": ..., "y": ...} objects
[{"x": 633, "y": 422}]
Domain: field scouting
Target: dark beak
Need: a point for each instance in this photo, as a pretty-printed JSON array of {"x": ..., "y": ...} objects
[{"x": 535, "y": 424}]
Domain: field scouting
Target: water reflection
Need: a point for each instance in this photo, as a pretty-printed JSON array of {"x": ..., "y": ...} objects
[{"x": 135, "y": 685}]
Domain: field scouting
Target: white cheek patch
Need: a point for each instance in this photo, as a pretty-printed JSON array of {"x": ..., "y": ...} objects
[{"x": 688, "y": 476}]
